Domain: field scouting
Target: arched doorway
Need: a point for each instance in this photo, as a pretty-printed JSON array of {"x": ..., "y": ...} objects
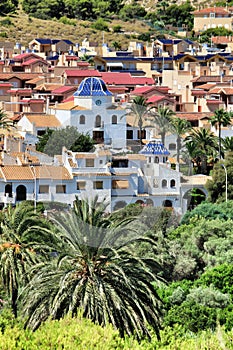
[
  {"x": 21, "y": 193},
  {"x": 167, "y": 203},
  {"x": 194, "y": 197}
]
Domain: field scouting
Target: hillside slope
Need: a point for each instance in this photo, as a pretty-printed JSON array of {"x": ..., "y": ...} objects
[{"x": 22, "y": 28}]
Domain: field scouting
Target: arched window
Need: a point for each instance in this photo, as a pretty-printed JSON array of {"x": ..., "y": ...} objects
[
  {"x": 156, "y": 159},
  {"x": 114, "y": 119},
  {"x": 8, "y": 190},
  {"x": 172, "y": 183},
  {"x": 98, "y": 121},
  {"x": 82, "y": 119},
  {"x": 164, "y": 183},
  {"x": 172, "y": 146}
]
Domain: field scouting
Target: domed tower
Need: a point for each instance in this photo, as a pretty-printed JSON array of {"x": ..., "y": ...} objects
[
  {"x": 155, "y": 152},
  {"x": 93, "y": 94}
]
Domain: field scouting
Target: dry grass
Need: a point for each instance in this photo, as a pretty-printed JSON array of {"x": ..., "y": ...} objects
[{"x": 24, "y": 29}]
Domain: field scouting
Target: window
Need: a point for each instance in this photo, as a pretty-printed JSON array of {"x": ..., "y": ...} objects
[
  {"x": 44, "y": 189},
  {"x": 60, "y": 188},
  {"x": 98, "y": 121},
  {"x": 114, "y": 119},
  {"x": 120, "y": 184},
  {"x": 90, "y": 162},
  {"x": 82, "y": 119},
  {"x": 172, "y": 147},
  {"x": 101, "y": 161},
  {"x": 156, "y": 160},
  {"x": 172, "y": 184},
  {"x": 164, "y": 183},
  {"x": 130, "y": 132},
  {"x": 97, "y": 185},
  {"x": 81, "y": 185}
]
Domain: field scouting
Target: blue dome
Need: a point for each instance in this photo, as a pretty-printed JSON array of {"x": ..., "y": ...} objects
[
  {"x": 92, "y": 87},
  {"x": 156, "y": 148}
]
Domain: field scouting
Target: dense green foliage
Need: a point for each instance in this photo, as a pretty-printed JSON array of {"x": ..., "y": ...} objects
[
  {"x": 53, "y": 141},
  {"x": 137, "y": 269},
  {"x": 8, "y": 6},
  {"x": 79, "y": 333},
  {"x": 94, "y": 10},
  {"x": 217, "y": 185}
]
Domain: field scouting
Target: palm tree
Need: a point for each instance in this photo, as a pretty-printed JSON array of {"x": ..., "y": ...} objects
[
  {"x": 139, "y": 108},
  {"x": 161, "y": 118},
  {"x": 5, "y": 121},
  {"x": 219, "y": 119},
  {"x": 205, "y": 142},
  {"x": 180, "y": 126},
  {"x": 21, "y": 233},
  {"x": 227, "y": 144},
  {"x": 116, "y": 45},
  {"x": 97, "y": 271}
]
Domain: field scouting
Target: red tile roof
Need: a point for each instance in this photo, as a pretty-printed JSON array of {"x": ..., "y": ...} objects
[
  {"x": 22, "y": 56},
  {"x": 154, "y": 99},
  {"x": 21, "y": 76},
  {"x": 112, "y": 78},
  {"x": 69, "y": 99},
  {"x": 82, "y": 73},
  {"x": 34, "y": 60},
  {"x": 20, "y": 91},
  {"x": 63, "y": 89},
  {"x": 217, "y": 10},
  {"x": 222, "y": 39},
  {"x": 145, "y": 89}
]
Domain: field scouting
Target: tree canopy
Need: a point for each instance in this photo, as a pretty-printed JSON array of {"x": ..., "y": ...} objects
[{"x": 52, "y": 141}]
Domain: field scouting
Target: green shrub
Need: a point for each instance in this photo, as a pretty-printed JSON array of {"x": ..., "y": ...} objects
[{"x": 100, "y": 24}]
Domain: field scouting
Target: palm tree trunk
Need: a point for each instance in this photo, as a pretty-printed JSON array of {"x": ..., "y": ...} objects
[
  {"x": 140, "y": 131},
  {"x": 219, "y": 141},
  {"x": 178, "y": 143},
  {"x": 163, "y": 138},
  {"x": 14, "y": 298}
]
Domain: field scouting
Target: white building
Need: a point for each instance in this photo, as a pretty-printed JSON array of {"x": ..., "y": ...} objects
[{"x": 93, "y": 111}]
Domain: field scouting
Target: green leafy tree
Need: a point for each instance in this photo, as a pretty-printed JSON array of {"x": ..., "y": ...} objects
[
  {"x": 52, "y": 142},
  {"x": 220, "y": 118},
  {"x": 217, "y": 185},
  {"x": 133, "y": 10},
  {"x": 100, "y": 24},
  {"x": 98, "y": 272},
  {"x": 43, "y": 9},
  {"x": 8, "y": 6}
]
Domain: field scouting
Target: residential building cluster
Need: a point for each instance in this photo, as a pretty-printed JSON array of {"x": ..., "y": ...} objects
[{"x": 51, "y": 85}]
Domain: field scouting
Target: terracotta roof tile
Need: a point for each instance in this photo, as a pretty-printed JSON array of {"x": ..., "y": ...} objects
[
  {"x": 63, "y": 89},
  {"x": 208, "y": 10},
  {"x": 82, "y": 73},
  {"x": 68, "y": 106},
  {"x": 194, "y": 116},
  {"x": 111, "y": 78},
  {"x": 21, "y": 76},
  {"x": 44, "y": 121},
  {"x": 34, "y": 60}
]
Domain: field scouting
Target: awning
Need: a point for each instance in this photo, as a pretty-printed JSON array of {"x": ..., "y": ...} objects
[{"x": 115, "y": 64}]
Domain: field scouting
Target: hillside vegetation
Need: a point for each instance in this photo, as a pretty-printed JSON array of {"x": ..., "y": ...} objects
[{"x": 22, "y": 28}]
